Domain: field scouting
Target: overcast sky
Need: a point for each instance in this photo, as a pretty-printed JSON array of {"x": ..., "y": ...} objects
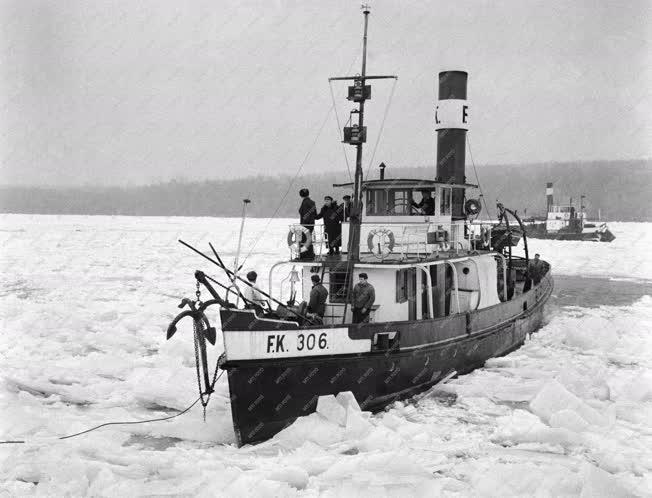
[{"x": 125, "y": 92}]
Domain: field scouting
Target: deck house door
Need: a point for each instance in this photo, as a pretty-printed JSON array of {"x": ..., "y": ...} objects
[
  {"x": 406, "y": 290},
  {"x": 412, "y": 293}
]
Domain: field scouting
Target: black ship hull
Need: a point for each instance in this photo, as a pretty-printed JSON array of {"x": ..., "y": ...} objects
[
  {"x": 267, "y": 395},
  {"x": 539, "y": 231}
]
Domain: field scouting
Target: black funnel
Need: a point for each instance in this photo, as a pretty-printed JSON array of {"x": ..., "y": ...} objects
[{"x": 451, "y": 119}]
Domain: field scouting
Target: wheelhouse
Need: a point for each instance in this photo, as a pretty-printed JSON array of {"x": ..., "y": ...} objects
[
  {"x": 562, "y": 217},
  {"x": 422, "y": 263},
  {"x": 393, "y": 227}
]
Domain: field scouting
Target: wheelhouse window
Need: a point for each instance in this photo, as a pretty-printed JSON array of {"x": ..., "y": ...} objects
[
  {"x": 445, "y": 202},
  {"x": 376, "y": 202},
  {"x": 388, "y": 202},
  {"x": 398, "y": 202}
]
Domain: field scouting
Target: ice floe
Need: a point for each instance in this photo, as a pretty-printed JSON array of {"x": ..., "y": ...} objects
[{"x": 82, "y": 343}]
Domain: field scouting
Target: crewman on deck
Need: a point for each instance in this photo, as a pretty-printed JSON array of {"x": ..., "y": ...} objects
[
  {"x": 332, "y": 215},
  {"x": 535, "y": 269},
  {"x": 254, "y": 299},
  {"x": 307, "y": 213},
  {"x": 364, "y": 296},
  {"x": 427, "y": 203},
  {"x": 346, "y": 207},
  {"x": 318, "y": 296}
]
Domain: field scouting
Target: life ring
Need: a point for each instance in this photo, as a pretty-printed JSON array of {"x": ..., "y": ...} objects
[
  {"x": 381, "y": 249},
  {"x": 472, "y": 207},
  {"x": 296, "y": 241},
  {"x": 444, "y": 246}
]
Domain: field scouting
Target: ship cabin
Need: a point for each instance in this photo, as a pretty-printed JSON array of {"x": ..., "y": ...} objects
[
  {"x": 423, "y": 264},
  {"x": 564, "y": 217}
]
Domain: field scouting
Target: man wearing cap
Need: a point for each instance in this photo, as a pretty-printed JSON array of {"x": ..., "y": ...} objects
[
  {"x": 318, "y": 296},
  {"x": 254, "y": 299},
  {"x": 364, "y": 296},
  {"x": 307, "y": 213},
  {"x": 346, "y": 207},
  {"x": 535, "y": 271}
]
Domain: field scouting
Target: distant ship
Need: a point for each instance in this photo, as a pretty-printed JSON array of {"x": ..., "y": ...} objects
[
  {"x": 446, "y": 299},
  {"x": 565, "y": 222}
]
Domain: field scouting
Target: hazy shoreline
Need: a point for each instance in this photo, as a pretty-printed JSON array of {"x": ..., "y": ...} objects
[{"x": 618, "y": 189}]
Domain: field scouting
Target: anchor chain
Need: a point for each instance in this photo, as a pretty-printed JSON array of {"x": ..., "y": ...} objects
[
  {"x": 202, "y": 331},
  {"x": 203, "y": 395}
]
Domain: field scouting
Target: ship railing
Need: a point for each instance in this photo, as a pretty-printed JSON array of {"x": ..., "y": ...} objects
[
  {"x": 414, "y": 240},
  {"x": 417, "y": 239},
  {"x": 411, "y": 239}
]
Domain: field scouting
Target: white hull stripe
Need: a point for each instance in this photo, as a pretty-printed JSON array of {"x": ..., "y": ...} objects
[{"x": 258, "y": 345}]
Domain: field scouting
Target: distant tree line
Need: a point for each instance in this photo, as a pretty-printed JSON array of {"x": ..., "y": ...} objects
[{"x": 620, "y": 189}]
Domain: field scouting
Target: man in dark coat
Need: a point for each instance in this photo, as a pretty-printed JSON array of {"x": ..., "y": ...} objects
[
  {"x": 307, "y": 210},
  {"x": 318, "y": 296},
  {"x": 346, "y": 207},
  {"x": 307, "y": 213},
  {"x": 535, "y": 271},
  {"x": 364, "y": 296},
  {"x": 332, "y": 215}
]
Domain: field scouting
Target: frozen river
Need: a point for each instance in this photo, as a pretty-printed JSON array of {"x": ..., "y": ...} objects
[{"x": 84, "y": 303}]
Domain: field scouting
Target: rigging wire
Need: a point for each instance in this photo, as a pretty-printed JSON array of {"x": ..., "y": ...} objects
[
  {"x": 278, "y": 207},
  {"x": 337, "y": 119},
  {"x": 382, "y": 126},
  {"x": 477, "y": 178},
  {"x": 305, "y": 159},
  {"x": 161, "y": 419}
]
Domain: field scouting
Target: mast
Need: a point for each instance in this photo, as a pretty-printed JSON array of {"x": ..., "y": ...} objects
[
  {"x": 356, "y": 134},
  {"x": 356, "y": 218}
]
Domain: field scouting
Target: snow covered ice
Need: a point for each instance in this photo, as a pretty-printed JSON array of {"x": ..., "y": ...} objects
[{"x": 84, "y": 306}]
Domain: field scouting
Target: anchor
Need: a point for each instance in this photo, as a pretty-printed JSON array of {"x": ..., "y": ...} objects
[{"x": 203, "y": 331}]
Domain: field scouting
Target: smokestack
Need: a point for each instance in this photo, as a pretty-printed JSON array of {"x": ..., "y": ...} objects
[
  {"x": 382, "y": 170},
  {"x": 549, "y": 200},
  {"x": 451, "y": 123}
]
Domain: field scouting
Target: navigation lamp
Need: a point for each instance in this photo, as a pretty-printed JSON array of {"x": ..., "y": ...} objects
[{"x": 359, "y": 92}]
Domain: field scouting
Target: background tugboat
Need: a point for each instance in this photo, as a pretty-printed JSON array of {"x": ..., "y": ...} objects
[
  {"x": 447, "y": 297},
  {"x": 564, "y": 222}
]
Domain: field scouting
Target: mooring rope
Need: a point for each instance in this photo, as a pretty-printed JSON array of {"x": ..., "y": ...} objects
[{"x": 134, "y": 422}]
